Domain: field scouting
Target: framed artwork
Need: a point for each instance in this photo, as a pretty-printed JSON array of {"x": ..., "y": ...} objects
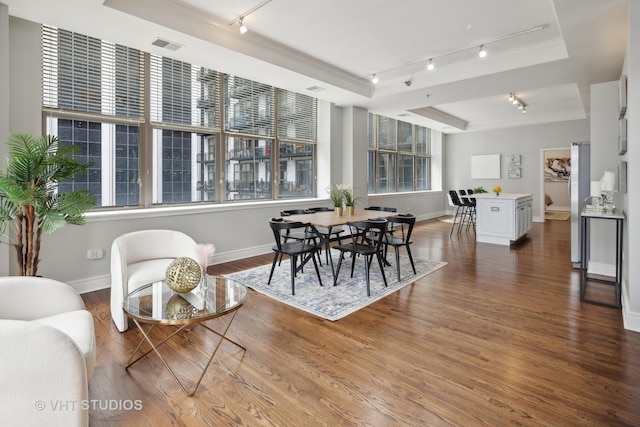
[
  {"x": 622, "y": 136},
  {"x": 622, "y": 95},
  {"x": 513, "y": 159},
  {"x": 557, "y": 169},
  {"x": 513, "y": 172},
  {"x": 485, "y": 166},
  {"x": 622, "y": 176}
]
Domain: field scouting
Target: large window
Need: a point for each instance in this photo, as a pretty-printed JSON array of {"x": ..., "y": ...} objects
[
  {"x": 399, "y": 155},
  {"x": 207, "y": 136}
]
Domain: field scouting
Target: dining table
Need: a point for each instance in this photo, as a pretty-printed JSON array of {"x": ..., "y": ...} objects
[{"x": 330, "y": 219}]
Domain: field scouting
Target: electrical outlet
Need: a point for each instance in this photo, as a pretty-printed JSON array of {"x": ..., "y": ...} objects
[{"x": 95, "y": 254}]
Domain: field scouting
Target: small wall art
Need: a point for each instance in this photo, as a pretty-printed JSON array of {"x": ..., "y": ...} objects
[
  {"x": 622, "y": 95},
  {"x": 513, "y": 159},
  {"x": 622, "y": 176},
  {"x": 513, "y": 172},
  {"x": 622, "y": 136}
]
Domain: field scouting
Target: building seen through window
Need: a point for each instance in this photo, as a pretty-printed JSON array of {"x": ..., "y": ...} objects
[{"x": 209, "y": 137}]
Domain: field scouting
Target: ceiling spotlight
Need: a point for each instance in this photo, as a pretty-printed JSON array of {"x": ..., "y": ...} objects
[
  {"x": 243, "y": 29},
  {"x": 482, "y": 52},
  {"x": 520, "y": 106},
  {"x": 430, "y": 66},
  {"x": 374, "y": 79},
  {"x": 524, "y": 110},
  {"x": 514, "y": 101},
  {"x": 511, "y": 96}
]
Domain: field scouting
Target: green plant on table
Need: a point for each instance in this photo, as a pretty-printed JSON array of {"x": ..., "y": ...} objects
[
  {"x": 349, "y": 198},
  {"x": 479, "y": 190},
  {"x": 336, "y": 195}
]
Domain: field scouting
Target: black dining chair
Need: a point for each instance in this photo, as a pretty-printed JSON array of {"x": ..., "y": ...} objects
[
  {"x": 404, "y": 227},
  {"x": 381, "y": 208},
  {"x": 332, "y": 234},
  {"x": 363, "y": 242},
  {"x": 299, "y": 235},
  {"x": 299, "y": 252},
  {"x": 390, "y": 228}
]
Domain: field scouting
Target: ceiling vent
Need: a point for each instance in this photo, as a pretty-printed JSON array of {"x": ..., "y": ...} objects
[{"x": 166, "y": 44}]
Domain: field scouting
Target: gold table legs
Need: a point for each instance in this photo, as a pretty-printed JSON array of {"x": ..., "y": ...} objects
[{"x": 154, "y": 348}]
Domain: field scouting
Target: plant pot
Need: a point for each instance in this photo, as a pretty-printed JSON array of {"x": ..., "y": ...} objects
[
  {"x": 338, "y": 211},
  {"x": 351, "y": 210}
]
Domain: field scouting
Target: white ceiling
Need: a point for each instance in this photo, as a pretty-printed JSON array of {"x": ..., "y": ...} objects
[{"x": 338, "y": 45}]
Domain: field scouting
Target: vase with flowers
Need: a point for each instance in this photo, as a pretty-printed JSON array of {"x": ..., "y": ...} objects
[
  {"x": 204, "y": 255},
  {"x": 497, "y": 189},
  {"x": 349, "y": 198},
  {"x": 337, "y": 198}
]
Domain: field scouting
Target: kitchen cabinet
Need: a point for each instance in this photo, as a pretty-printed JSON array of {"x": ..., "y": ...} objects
[{"x": 503, "y": 219}]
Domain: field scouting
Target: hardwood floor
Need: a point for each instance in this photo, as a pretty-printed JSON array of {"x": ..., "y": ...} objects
[{"x": 497, "y": 337}]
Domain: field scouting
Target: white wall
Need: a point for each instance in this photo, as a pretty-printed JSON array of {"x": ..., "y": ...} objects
[
  {"x": 604, "y": 157},
  {"x": 527, "y": 141},
  {"x": 631, "y": 200},
  {"x": 4, "y": 109}
]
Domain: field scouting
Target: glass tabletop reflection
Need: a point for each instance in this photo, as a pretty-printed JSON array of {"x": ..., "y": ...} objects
[{"x": 157, "y": 303}]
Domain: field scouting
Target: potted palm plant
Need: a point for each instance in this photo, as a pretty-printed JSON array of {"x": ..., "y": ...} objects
[{"x": 29, "y": 199}]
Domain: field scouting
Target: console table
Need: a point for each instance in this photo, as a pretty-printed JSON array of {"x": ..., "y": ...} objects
[{"x": 585, "y": 277}]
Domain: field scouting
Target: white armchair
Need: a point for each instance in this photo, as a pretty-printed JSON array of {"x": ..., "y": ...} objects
[
  {"x": 142, "y": 257},
  {"x": 43, "y": 376},
  {"x": 51, "y": 303}
]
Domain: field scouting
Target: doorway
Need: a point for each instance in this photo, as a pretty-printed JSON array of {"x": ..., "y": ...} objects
[{"x": 556, "y": 171}]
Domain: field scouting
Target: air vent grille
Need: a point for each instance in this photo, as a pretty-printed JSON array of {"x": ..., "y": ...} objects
[{"x": 166, "y": 44}]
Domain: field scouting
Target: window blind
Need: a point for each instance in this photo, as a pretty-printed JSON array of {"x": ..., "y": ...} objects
[
  {"x": 386, "y": 133},
  {"x": 89, "y": 75},
  {"x": 297, "y": 117},
  {"x": 249, "y": 107},
  {"x": 184, "y": 94}
]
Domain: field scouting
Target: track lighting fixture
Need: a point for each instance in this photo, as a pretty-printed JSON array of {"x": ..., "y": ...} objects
[
  {"x": 374, "y": 79},
  {"x": 513, "y": 98},
  {"x": 240, "y": 19},
  {"x": 482, "y": 53}
]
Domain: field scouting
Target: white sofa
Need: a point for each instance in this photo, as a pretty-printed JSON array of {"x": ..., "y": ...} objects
[
  {"x": 52, "y": 303},
  {"x": 43, "y": 376},
  {"x": 47, "y": 350},
  {"x": 142, "y": 257}
]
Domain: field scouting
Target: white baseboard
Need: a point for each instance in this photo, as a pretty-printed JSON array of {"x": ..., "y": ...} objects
[
  {"x": 601, "y": 269},
  {"x": 91, "y": 284},
  {"x": 630, "y": 319}
]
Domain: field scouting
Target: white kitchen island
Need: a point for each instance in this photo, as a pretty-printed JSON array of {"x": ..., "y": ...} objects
[{"x": 503, "y": 219}]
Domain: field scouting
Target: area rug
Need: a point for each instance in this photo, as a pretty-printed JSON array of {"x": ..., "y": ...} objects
[
  {"x": 557, "y": 216},
  {"x": 328, "y": 301}
]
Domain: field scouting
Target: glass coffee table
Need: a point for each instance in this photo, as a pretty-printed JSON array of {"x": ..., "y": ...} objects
[{"x": 157, "y": 304}]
